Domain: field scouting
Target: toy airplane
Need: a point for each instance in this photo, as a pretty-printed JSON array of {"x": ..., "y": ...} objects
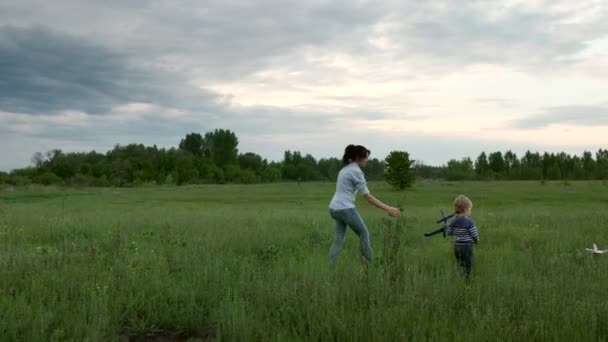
[
  {"x": 596, "y": 250},
  {"x": 444, "y": 228}
]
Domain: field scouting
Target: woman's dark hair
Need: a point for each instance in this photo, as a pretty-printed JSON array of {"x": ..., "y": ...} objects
[{"x": 354, "y": 153}]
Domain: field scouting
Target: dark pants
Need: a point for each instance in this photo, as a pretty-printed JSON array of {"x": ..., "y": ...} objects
[{"x": 464, "y": 257}]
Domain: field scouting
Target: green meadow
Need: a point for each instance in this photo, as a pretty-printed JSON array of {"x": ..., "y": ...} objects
[{"x": 249, "y": 263}]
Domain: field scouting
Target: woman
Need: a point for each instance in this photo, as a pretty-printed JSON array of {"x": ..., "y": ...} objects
[{"x": 342, "y": 207}]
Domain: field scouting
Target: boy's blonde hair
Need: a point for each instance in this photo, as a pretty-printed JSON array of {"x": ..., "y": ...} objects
[{"x": 461, "y": 204}]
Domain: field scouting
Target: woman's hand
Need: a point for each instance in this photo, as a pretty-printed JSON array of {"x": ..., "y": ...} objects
[{"x": 394, "y": 212}]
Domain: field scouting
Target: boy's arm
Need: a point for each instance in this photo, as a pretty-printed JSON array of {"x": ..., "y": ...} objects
[
  {"x": 448, "y": 229},
  {"x": 474, "y": 231}
]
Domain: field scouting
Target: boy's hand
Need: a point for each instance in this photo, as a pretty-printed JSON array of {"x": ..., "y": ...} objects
[{"x": 394, "y": 212}]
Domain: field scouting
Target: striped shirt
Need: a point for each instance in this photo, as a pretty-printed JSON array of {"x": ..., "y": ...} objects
[{"x": 463, "y": 229}]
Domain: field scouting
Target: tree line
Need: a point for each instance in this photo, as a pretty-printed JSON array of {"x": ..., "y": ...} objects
[
  {"x": 198, "y": 159},
  {"x": 530, "y": 166},
  {"x": 214, "y": 158}
]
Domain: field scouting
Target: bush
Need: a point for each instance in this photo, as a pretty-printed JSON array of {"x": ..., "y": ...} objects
[
  {"x": 81, "y": 180},
  {"x": 48, "y": 178},
  {"x": 248, "y": 177},
  {"x": 271, "y": 174},
  {"x": 217, "y": 174},
  {"x": 232, "y": 173},
  {"x": 170, "y": 180},
  {"x": 17, "y": 180},
  {"x": 186, "y": 171},
  {"x": 101, "y": 181}
]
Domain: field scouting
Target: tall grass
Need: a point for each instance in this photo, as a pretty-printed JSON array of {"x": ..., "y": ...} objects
[{"x": 249, "y": 263}]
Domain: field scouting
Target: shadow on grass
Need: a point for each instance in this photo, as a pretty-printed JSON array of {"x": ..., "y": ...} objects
[{"x": 202, "y": 334}]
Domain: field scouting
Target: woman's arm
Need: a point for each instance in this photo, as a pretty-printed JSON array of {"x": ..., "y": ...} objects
[{"x": 378, "y": 204}]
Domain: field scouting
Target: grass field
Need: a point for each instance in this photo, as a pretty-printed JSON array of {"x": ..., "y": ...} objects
[{"x": 246, "y": 263}]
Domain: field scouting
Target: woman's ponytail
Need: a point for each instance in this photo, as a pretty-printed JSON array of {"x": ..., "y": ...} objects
[
  {"x": 348, "y": 154},
  {"x": 354, "y": 153}
]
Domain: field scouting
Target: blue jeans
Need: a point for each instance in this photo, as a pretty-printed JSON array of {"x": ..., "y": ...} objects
[{"x": 352, "y": 219}]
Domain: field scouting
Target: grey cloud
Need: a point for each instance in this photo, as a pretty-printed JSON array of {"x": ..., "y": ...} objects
[
  {"x": 458, "y": 33},
  {"x": 151, "y": 52},
  {"x": 214, "y": 39},
  {"x": 47, "y": 72},
  {"x": 433, "y": 36},
  {"x": 571, "y": 115},
  {"x": 228, "y": 40},
  {"x": 44, "y": 72},
  {"x": 234, "y": 39}
]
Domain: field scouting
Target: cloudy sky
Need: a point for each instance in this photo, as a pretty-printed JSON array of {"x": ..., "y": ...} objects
[{"x": 440, "y": 79}]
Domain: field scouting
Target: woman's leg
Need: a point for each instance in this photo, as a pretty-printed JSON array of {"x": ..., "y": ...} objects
[
  {"x": 355, "y": 222},
  {"x": 336, "y": 247}
]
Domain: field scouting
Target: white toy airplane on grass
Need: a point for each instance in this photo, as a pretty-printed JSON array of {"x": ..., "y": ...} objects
[{"x": 596, "y": 250}]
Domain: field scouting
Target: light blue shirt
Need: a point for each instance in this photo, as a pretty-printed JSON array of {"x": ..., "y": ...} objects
[{"x": 351, "y": 181}]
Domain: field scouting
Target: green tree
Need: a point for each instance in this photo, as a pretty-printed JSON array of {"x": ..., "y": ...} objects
[
  {"x": 48, "y": 178},
  {"x": 601, "y": 160},
  {"x": 222, "y": 147},
  {"x": 578, "y": 168},
  {"x": 289, "y": 172},
  {"x": 193, "y": 143},
  {"x": 329, "y": 168},
  {"x": 185, "y": 170},
  {"x": 460, "y": 170},
  {"x": 374, "y": 169},
  {"x": 217, "y": 174},
  {"x": 497, "y": 163},
  {"x": 399, "y": 171},
  {"x": 531, "y": 166},
  {"x": 271, "y": 174},
  {"x": 512, "y": 166},
  {"x": 588, "y": 165},
  {"x": 298, "y": 168},
  {"x": 429, "y": 172},
  {"x": 38, "y": 159},
  {"x": 551, "y": 169},
  {"x": 248, "y": 177},
  {"x": 482, "y": 166},
  {"x": 308, "y": 169},
  {"x": 18, "y": 179},
  {"x": 120, "y": 172},
  {"x": 252, "y": 161},
  {"x": 232, "y": 173}
]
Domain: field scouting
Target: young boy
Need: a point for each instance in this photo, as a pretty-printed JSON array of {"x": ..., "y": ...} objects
[{"x": 465, "y": 233}]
